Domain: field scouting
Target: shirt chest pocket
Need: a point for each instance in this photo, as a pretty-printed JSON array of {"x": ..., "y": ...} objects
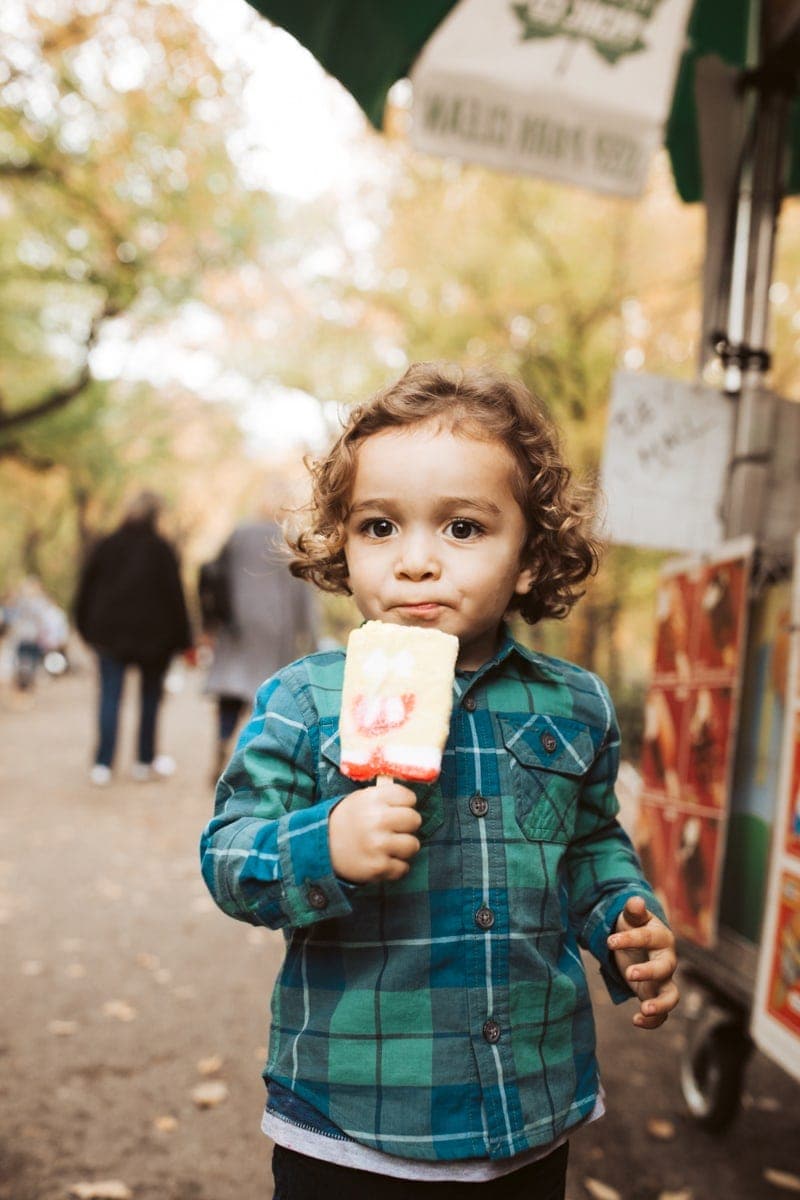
[{"x": 547, "y": 759}]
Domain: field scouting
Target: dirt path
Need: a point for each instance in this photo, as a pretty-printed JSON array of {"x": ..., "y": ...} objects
[{"x": 123, "y": 985}]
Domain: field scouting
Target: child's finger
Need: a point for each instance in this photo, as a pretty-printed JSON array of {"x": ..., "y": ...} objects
[
  {"x": 654, "y": 1010},
  {"x": 658, "y": 967},
  {"x": 402, "y": 820},
  {"x": 635, "y": 939},
  {"x": 635, "y": 911},
  {"x": 398, "y": 795},
  {"x": 404, "y": 846}
]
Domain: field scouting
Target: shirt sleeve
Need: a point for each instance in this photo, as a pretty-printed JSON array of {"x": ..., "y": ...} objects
[
  {"x": 265, "y": 854},
  {"x": 602, "y": 866}
]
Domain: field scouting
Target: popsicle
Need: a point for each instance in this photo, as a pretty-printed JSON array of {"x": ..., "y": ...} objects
[{"x": 396, "y": 701}]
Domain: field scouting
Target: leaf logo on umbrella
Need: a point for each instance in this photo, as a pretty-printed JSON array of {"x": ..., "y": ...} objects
[{"x": 614, "y": 27}]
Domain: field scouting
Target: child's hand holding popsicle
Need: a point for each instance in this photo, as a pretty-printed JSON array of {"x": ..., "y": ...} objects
[
  {"x": 396, "y": 702},
  {"x": 371, "y": 833}
]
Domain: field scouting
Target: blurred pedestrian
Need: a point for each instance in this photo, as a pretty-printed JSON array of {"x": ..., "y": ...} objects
[
  {"x": 29, "y": 617},
  {"x": 130, "y": 608},
  {"x": 258, "y": 618}
]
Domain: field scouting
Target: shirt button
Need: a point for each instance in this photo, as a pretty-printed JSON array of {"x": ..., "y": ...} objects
[
  {"x": 491, "y": 1032},
  {"x": 478, "y": 805},
  {"x": 317, "y": 898},
  {"x": 470, "y": 704},
  {"x": 484, "y": 918},
  {"x": 549, "y": 742}
]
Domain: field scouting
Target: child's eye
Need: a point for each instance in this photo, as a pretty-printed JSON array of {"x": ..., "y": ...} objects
[
  {"x": 462, "y": 530},
  {"x": 377, "y": 527}
]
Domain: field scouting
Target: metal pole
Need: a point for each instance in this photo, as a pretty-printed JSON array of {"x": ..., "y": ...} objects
[{"x": 760, "y": 194}]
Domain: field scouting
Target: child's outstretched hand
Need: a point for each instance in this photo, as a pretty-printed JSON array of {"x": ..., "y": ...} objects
[
  {"x": 371, "y": 833},
  {"x": 644, "y": 950}
]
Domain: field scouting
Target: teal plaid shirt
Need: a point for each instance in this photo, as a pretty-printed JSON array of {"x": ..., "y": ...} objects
[{"x": 446, "y": 1015}]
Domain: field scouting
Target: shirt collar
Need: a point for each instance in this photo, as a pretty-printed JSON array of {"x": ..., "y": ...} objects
[{"x": 544, "y": 667}]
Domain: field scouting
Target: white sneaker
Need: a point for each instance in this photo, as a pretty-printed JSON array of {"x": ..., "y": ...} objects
[
  {"x": 161, "y": 767},
  {"x": 99, "y": 775}
]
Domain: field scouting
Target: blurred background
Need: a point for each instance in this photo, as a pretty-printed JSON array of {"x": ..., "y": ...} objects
[{"x": 206, "y": 255}]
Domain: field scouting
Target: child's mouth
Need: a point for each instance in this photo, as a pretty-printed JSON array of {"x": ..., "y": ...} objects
[{"x": 424, "y": 611}]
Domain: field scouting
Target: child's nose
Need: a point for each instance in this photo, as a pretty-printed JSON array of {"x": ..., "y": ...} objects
[{"x": 417, "y": 558}]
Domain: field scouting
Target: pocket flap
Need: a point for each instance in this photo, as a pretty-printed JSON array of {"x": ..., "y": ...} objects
[
  {"x": 330, "y": 746},
  {"x": 551, "y": 743}
]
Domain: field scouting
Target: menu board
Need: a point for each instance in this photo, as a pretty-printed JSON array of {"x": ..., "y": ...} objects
[
  {"x": 690, "y": 733},
  {"x": 776, "y": 1010}
]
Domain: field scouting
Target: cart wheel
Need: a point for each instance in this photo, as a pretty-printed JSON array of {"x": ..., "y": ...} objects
[{"x": 712, "y": 1070}]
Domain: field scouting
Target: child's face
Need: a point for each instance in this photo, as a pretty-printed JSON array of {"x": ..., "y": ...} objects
[{"x": 435, "y": 535}]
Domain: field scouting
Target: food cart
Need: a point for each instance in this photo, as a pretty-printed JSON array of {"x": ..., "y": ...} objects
[{"x": 716, "y": 767}]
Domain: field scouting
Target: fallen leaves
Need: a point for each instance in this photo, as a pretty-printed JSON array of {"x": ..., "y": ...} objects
[
  {"x": 165, "y": 1124},
  {"x": 782, "y": 1179},
  {"x": 103, "y": 1189},
  {"x": 600, "y": 1191},
  {"x": 150, "y": 962},
  {"x": 210, "y": 1094},
  {"x": 661, "y": 1129},
  {"x": 119, "y": 1010},
  {"x": 62, "y": 1028},
  {"x": 211, "y": 1065}
]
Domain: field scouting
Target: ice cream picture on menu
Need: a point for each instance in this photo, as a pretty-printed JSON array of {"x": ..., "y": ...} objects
[{"x": 396, "y": 701}]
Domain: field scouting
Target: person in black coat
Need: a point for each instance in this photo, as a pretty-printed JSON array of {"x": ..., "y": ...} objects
[{"x": 130, "y": 608}]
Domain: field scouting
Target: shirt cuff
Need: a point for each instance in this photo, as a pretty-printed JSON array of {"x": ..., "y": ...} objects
[
  {"x": 311, "y": 890},
  {"x": 599, "y": 928}
]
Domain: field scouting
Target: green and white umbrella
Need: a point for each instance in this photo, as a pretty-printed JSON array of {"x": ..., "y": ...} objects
[
  {"x": 525, "y": 85},
  {"x": 584, "y": 91}
]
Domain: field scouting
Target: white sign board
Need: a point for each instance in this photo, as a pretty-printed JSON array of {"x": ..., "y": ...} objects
[
  {"x": 573, "y": 90},
  {"x": 665, "y": 463}
]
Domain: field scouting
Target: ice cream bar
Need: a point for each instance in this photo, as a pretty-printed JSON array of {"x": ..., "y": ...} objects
[{"x": 396, "y": 701}]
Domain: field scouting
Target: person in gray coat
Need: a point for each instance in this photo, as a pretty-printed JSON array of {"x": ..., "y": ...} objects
[{"x": 268, "y": 619}]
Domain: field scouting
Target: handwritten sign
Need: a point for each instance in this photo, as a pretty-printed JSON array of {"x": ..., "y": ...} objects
[{"x": 665, "y": 463}]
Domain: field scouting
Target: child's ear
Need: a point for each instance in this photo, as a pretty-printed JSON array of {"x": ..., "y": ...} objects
[{"x": 524, "y": 582}]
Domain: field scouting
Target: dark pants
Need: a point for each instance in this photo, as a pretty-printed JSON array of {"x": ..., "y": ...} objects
[
  {"x": 29, "y": 655},
  {"x": 300, "y": 1178},
  {"x": 151, "y": 686},
  {"x": 229, "y": 709}
]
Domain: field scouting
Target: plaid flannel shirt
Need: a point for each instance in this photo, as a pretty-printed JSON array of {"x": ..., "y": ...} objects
[{"x": 446, "y": 1015}]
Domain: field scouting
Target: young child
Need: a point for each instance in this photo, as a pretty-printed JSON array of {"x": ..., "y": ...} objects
[{"x": 431, "y": 1024}]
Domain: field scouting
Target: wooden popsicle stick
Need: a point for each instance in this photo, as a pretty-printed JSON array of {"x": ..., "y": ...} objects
[{"x": 381, "y": 779}]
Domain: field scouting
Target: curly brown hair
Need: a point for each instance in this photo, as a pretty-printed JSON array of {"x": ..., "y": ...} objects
[{"x": 560, "y": 548}]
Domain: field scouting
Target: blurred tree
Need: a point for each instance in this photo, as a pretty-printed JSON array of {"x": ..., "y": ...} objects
[
  {"x": 120, "y": 208},
  {"x": 118, "y": 195}
]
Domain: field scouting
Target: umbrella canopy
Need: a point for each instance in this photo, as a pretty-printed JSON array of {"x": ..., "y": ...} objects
[{"x": 541, "y": 47}]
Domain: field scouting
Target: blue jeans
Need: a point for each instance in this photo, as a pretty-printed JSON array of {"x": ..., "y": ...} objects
[
  {"x": 298, "y": 1177},
  {"x": 151, "y": 686}
]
